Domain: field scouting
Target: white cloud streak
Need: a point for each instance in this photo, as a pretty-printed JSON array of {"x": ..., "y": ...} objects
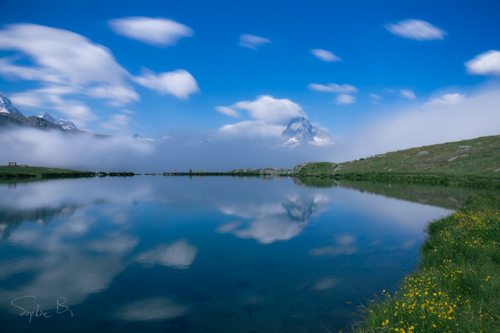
[
  {"x": 377, "y": 97},
  {"x": 227, "y": 111},
  {"x": 407, "y": 93},
  {"x": 345, "y": 99},
  {"x": 416, "y": 29},
  {"x": 487, "y": 63},
  {"x": 66, "y": 63},
  {"x": 252, "y": 42},
  {"x": 179, "y": 83},
  {"x": 118, "y": 121},
  {"x": 63, "y": 57},
  {"x": 159, "y": 32},
  {"x": 325, "y": 55},
  {"x": 333, "y": 87},
  {"x": 251, "y": 128},
  {"x": 448, "y": 99}
]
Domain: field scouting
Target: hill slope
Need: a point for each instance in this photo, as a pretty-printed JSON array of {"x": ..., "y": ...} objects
[{"x": 478, "y": 157}]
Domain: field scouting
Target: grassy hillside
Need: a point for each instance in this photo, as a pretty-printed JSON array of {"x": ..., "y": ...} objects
[
  {"x": 39, "y": 172},
  {"x": 477, "y": 157}
]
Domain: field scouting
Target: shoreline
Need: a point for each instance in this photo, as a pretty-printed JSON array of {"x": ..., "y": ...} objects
[{"x": 456, "y": 286}]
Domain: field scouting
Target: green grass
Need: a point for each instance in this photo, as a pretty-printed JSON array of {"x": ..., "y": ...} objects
[
  {"x": 453, "y": 159},
  {"x": 457, "y": 285},
  {"x": 318, "y": 168},
  {"x": 38, "y": 172}
]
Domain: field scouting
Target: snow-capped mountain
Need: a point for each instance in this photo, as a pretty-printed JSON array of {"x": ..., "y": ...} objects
[
  {"x": 300, "y": 131},
  {"x": 138, "y": 137},
  {"x": 65, "y": 124},
  {"x": 6, "y": 105}
]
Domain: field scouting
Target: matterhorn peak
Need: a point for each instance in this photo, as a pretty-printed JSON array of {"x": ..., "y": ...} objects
[{"x": 300, "y": 131}]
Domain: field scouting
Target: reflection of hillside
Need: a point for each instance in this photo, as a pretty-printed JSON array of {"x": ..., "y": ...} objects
[
  {"x": 439, "y": 196},
  {"x": 11, "y": 218},
  {"x": 275, "y": 226},
  {"x": 315, "y": 182}
]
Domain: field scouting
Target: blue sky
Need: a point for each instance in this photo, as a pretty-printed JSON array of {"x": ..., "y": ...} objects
[{"x": 178, "y": 68}]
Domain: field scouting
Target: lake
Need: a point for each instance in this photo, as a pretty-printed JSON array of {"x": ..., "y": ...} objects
[{"x": 211, "y": 254}]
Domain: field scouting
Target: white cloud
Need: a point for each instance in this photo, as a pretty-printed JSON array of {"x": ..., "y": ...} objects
[
  {"x": 271, "y": 116},
  {"x": 77, "y": 111},
  {"x": 271, "y": 110},
  {"x": 407, "y": 93},
  {"x": 251, "y": 128},
  {"x": 63, "y": 57},
  {"x": 487, "y": 63},
  {"x": 416, "y": 29},
  {"x": 475, "y": 116},
  {"x": 116, "y": 94},
  {"x": 448, "y": 99},
  {"x": 65, "y": 63},
  {"x": 377, "y": 97},
  {"x": 153, "y": 31},
  {"x": 318, "y": 126},
  {"x": 333, "y": 87},
  {"x": 227, "y": 111},
  {"x": 252, "y": 42},
  {"x": 179, "y": 83},
  {"x": 345, "y": 99},
  {"x": 117, "y": 121},
  {"x": 26, "y": 99},
  {"x": 325, "y": 55}
]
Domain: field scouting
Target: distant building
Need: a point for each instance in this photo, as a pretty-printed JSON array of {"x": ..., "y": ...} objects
[{"x": 12, "y": 164}]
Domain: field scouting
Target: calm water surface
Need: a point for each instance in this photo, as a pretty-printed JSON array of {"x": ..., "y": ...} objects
[{"x": 213, "y": 254}]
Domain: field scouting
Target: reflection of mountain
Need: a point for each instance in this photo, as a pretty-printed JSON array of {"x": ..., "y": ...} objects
[
  {"x": 276, "y": 226},
  {"x": 11, "y": 219}
]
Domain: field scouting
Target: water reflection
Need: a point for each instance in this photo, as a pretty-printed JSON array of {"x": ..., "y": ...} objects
[
  {"x": 440, "y": 196},
  {"x": 11, "y": 218},
  {"x": 177, "y": 255},
  {"x": 158, "y": 308},
  {"x": 156, "y": 253},
  {"x": 277, "y": 222}
]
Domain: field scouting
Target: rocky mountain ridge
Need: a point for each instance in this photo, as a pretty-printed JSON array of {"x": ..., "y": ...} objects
[{"x": 65, "y": 124}]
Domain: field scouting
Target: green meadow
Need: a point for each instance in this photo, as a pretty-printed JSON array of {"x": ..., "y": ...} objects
[{"x": 457, "y": 285}]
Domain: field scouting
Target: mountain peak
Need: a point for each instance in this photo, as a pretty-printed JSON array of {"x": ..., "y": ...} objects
[
  {"x": 6, "y": 105},
  {"x": 300, "y": 131},
  {"x": 65, "y": 124}
]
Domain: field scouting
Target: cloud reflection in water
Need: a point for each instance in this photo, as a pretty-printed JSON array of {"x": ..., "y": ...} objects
[
  {"x": 158, "y": 308},
  {"x": 179, "y": 254},
  {"x": 273, "y": 222}
]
